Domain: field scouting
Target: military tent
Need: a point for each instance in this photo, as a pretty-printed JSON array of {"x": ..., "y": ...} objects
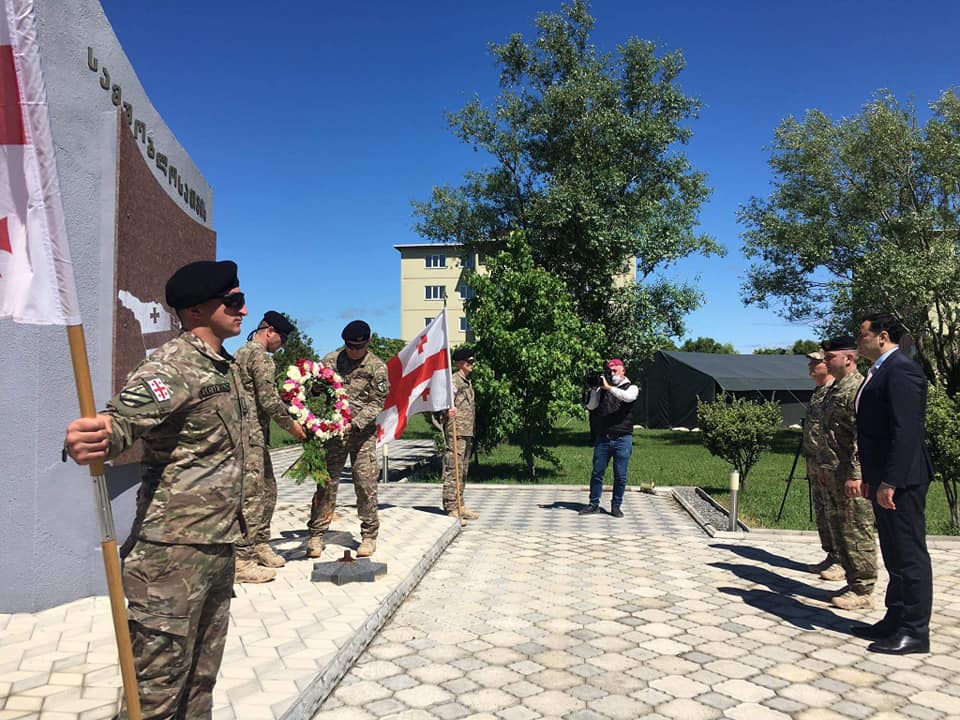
[{"x": 672, "y": 382}]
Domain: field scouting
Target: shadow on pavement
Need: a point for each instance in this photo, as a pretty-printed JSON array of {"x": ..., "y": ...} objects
[
  {"x": 764, "y": 556},
  {"x": 777, "y": 583},
  {"x": 791, "y": 610},
  {"x": 432, "y": 509},
  {"x": 566, "y": 505}
]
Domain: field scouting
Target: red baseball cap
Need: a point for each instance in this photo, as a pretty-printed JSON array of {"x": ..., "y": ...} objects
[{"x": 614, "y": 363}]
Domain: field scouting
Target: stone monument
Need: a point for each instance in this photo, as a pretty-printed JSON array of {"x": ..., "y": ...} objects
[{"x": 136, "y": 208}]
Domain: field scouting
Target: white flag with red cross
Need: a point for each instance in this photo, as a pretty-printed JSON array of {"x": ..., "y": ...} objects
[
  {"x": 36, "y": 274},
  {"x": 420, "y": 380}
]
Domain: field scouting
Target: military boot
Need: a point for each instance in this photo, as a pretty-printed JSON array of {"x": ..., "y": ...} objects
[
  {"x": 368, "y": 546},
  {"x": 249, "y": 572},
  {"x": 834, "y": 572},
  {"x": 265, "y": 556},
  {"x": 819, "y": 567},
  {"x": 464, "y": 514},
  {"x": 315, "y": 546},
  {"x": 851, "y": 600}
]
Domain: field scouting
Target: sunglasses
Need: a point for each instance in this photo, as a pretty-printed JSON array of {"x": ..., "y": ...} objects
[
  {"x": 234, "y": 301},
  {"x": 356, "y": 345}
]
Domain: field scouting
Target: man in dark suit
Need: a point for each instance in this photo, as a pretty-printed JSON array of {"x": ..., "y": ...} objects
[{"x": 891, "y": 409}]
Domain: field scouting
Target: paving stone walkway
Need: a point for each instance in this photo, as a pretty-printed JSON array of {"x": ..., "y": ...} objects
[
  {"x": 535, "y": 612},
  {"x": 532, "y": 611}
]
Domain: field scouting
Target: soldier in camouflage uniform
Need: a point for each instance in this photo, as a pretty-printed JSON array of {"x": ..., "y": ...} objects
[
  {"x": 461, "y": 415},
  {"x": 828, "y": 567},
  {"x": 255, "y": 558},
  {"x": 851, "y": 515},
  {"x": 185, "y": 401},
  {"x": 365, "y": 379}
]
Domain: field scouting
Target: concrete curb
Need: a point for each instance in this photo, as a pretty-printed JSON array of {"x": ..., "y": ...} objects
[
  {"x": 707, "y": 527},
  {"x": 312, "y": 696}
]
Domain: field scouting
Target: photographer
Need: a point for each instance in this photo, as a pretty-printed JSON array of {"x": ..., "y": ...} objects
[{"x": 610, "y": 402}]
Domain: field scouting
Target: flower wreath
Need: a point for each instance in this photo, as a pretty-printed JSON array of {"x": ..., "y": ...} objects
[{"x": 307, "y": 376}]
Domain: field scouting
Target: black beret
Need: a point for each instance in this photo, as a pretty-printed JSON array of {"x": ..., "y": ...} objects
[
  {"x": 278, "y": 322},
  {"x": 842, "y": 342},
  {"x": 464, "y": 353},
  {"x": 356, "y": 331},
  {"x": 200, "y": 281}
]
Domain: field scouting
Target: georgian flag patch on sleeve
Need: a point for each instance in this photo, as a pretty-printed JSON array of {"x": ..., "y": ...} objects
[{"x": 159, "y": 390}]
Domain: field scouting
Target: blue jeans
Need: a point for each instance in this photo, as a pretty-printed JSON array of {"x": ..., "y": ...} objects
[{"x": 603, "y": 449}]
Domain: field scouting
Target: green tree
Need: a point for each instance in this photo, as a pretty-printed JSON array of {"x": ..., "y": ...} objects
[
  {"x": 298, "y": 345},
  {"x": 863, "y": 217},
  {"x": 800, "y": 347},
  {"x": 943, "y": 441},
  {"x": 385, "y": 348},
  {"x": 708, "y": 345},
  {"x": 583, "y": 152},
  {"x": 532, "y": 351},
  {"x": 738, "y": 430}
]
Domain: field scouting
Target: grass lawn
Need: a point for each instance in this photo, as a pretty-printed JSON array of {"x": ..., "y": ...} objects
[{"x": 664, "y": 457}]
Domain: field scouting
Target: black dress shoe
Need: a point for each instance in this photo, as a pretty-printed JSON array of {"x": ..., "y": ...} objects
[
  {"x": 616, "y": 511},
  {"x": 589, "y": 509},
  {"x": 877, "y": 631},
  {"x": 901, "y": 643}
]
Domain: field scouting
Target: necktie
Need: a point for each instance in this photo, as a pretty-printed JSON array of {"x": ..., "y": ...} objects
[{"x": 856, "y": 400}]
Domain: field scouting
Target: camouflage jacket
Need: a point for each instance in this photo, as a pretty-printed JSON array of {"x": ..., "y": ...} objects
[
  {"x": 366, "y": 384},
  {"x": 813, "y": 420},
  {"x": 185, "y": 402},
  {"x": 837, "y": 450},
  {"x": 259, "y": 375},
  {"x": 465, "y": 402}
]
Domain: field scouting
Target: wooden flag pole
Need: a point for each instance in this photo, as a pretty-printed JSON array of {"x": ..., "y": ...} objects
[
  {"x": 456, "y": 445},
  {"x": 108, "y": 540},
  {"x": 456, "y": 471}
]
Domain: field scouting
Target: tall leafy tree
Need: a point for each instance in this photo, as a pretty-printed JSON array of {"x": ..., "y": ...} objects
[
  {"x": 708, "y": 345},
  {"x": 584, "y": 152},
  {"x": 384, "y": 347},
  {"x": 298, "y": 345},
  {"x": 863, "y": 217},
  {"x": 532, "y": 351},
  {"x": 800, "y": 347}
]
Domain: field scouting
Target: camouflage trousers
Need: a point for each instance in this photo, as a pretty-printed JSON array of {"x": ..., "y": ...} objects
[
  {"x": 259, "y": 501},
  {"x": 821, "y": 507},
  {"x": 853, "y": 534},
  {"x": 363, "y": 461},
  {"x": 179, "y": 608},
  {"x": 464, "y": 445}
]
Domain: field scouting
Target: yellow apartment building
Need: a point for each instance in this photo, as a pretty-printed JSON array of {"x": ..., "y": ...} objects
[{"x": 431, "y": 271}]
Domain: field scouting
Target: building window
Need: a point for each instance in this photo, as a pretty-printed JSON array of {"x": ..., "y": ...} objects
[
  {"x": 463, "y": 325},
  {"x": 435, "y": 261},
  {"x": 467, "y": 261},
  {"x": 427, "y": 321},
  {"x": 466, "y": 292},
  {"x": 434, "y": 292}
]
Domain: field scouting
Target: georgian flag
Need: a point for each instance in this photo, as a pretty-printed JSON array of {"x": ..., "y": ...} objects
[
  {"x": 420, "y": 380},
  {"x": 36, "y": 274}
]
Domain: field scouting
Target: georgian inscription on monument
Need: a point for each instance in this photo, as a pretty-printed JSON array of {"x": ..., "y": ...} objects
[{"x": 139, "y": 129}]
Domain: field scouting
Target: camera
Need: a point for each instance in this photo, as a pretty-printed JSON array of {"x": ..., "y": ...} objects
[{"x": 594, "y": 378}]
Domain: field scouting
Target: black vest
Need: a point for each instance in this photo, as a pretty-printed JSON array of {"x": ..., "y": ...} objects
[{"x": 612, "y": 416}]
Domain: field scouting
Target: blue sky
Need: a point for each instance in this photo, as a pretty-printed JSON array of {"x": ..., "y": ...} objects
[{"x": 317, "y": 123}]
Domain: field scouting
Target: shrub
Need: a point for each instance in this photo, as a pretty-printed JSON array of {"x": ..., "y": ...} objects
[
  {"x": 738, "y": 430},
  {"x": 943, "y": 441}
]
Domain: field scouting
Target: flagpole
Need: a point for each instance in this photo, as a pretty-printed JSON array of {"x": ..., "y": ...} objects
[
  {"x": 108, "y": 540},
  {"x": 453, "y": 425}
]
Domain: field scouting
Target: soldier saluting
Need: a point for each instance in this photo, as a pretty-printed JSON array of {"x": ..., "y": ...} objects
[{"x": 186, "y": 402}]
